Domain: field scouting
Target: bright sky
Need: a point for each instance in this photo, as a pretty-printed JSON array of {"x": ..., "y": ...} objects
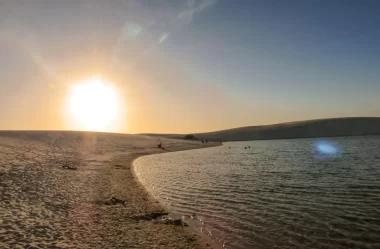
[{"x": 184, "y": 66}]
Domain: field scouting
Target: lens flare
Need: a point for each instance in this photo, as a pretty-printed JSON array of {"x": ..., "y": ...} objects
[{"x": 326, "y": 149}]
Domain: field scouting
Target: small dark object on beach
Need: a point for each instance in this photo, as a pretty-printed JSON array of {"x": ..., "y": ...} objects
[
  {"x": 190, "y": 239},
  {"x": 159, "y": 144},
  {"x": 150, "y": 216},
  {"x": 245, "y": 148},
  {"x": 229, "y": 147},
  {"x": 114, "y": 201},
  {"x": 177, "y": 222},
  {"x": 118, "y": 166},
  {"x": 249, "y": 147},
  {"x": 70, "y": 167}
]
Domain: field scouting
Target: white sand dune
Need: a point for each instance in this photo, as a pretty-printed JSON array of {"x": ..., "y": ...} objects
[{"x": 55, "y": 186}]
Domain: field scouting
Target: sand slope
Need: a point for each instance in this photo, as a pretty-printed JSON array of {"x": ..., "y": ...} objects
[
  {"x": 44, "y": 204},
  {"x": 333, "y": 127}
]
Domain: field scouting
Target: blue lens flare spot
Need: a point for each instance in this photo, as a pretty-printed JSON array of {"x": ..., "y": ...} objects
[{"x": 326, "y": 149}]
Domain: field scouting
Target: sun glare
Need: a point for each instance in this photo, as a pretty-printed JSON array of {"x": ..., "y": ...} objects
[{"x": 93, "y": 105}]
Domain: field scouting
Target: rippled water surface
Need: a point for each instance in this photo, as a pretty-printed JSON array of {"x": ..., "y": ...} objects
[{"x": 302, "y": 193}]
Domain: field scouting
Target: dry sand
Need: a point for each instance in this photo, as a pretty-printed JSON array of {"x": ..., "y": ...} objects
[{"x": 45, "y": 204}]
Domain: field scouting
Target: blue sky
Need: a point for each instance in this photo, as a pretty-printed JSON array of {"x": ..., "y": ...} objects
[
  {"x": 292, "y": 50},
  {"x": 192, "y": 65}
]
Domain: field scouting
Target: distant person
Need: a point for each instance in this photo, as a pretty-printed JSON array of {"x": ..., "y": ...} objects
[{"x": 159, "y": 144}]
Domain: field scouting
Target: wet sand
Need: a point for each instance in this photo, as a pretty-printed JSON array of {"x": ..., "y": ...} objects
[{"x": 56, "y": 190}]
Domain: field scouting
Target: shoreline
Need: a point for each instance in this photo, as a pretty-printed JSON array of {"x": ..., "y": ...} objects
[
  {"x": 56, "y": 191},
  {"x": 138, "y": 156},
  {"x": 205, "y": 241}
]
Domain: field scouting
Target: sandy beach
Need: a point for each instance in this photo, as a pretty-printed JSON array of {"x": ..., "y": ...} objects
[{"x": 78, "y": 190}]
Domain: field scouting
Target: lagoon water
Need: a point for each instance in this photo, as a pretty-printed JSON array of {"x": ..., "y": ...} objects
[{"x": 300, "y": 193}]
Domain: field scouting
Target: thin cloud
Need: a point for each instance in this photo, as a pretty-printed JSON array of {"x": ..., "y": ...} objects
[
  {"x": 186, "y": 16},
  {"x": 163, "y": 37},
  {"x": 151, "y": 24}
]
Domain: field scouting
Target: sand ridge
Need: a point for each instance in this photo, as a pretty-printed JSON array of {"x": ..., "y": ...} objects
[{"x": 54, "y": 187}]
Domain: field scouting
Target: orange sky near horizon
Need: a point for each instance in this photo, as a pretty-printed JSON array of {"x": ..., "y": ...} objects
[
  {"x": 187, "y": 108},
  {"x": 190, "y": 107}
]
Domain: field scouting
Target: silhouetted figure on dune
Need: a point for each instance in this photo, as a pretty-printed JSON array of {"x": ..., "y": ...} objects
[{"x": 159, "y": 145}]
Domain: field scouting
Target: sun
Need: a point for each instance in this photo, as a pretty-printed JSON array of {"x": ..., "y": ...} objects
[{"x": 93, "y": 105}]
